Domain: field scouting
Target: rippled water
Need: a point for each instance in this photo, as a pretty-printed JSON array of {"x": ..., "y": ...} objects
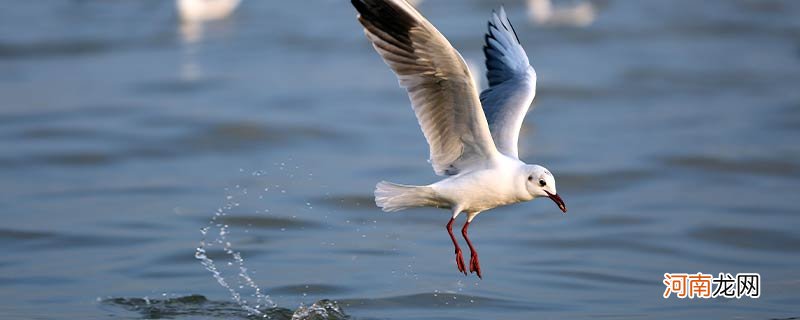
[{"x": 671, "y": 127}]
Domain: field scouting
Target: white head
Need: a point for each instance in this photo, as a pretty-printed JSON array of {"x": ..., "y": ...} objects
[{"x": 541, "y": 183}]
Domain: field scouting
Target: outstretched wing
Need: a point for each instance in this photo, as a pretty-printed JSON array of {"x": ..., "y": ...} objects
[
  {"x": 512, "y": 83},
  {"x": 438, "y": 82}
]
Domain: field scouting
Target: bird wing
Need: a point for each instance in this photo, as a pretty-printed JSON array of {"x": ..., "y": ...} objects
[
  {"x": 512, "y": 83},
  {"x": 438, "y": 82}
]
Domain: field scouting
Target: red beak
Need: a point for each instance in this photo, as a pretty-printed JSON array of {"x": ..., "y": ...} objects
[{"x": 557, "y": 199}]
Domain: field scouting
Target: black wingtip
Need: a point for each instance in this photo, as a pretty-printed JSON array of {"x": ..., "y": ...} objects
[
  {"x": 508, "y": 21},
  {"x": 388, "y": 19},
  {"x": 514, "y": 31},
  {"x": 360, "y": 6}
]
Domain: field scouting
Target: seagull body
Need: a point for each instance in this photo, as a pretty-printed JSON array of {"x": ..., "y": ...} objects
[
  {"x": 468, "y": 190},
  {"x": 472, "y": 137}
]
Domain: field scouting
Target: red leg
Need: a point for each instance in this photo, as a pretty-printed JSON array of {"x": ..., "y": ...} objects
[
  {"x": 459, "y": 257},
  {"x": 474, "y": 263}
]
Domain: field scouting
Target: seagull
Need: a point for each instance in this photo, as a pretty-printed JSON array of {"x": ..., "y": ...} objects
[
  {"x": 472, "y": 138},
  {"x": 577, "y": 15},
  {"x": 205, "y": 10}
]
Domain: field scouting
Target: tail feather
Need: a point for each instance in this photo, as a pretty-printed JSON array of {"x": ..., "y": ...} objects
[{"x": 391, "y": 197}]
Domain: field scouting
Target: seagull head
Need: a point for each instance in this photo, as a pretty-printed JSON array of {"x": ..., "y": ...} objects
[{"x": 541, "y": 183}]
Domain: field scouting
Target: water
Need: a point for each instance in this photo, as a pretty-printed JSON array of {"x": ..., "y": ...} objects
[{"x": 671, "y": 127}]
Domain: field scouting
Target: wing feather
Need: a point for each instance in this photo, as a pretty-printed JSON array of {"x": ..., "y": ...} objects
[
  {"x": 438, "y": 82},
  {"x": 512, "y": 83}
]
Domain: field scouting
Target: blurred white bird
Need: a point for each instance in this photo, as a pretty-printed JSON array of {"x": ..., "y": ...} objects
[
  {"x": 472, "y": 138},
  {"x": 579, "y": 14},
  {"x": 205, "y": 10},
  {"x": 194, "y": 13}
]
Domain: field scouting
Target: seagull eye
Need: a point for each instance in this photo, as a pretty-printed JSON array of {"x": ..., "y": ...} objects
[{"x": 542, "y": 183}]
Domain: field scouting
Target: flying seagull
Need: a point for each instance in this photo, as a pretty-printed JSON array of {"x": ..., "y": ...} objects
[{"x": 472, "y": 138}]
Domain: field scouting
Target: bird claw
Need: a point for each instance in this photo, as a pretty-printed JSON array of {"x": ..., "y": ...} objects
[
  {"x": 460, "y": 262},
  {"x": 475, "y": 265}
]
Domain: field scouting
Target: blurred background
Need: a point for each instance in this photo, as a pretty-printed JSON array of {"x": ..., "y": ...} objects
[{"x": 671, "y": 127}]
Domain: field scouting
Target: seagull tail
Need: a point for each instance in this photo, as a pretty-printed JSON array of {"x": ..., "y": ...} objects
[{"x": 391, "y": 197}]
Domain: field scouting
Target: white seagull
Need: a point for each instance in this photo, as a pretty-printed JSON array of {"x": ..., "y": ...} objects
[
  {"x": 205, "y": 10},
  {"x": 579, "y": 14},
  {"x": 472, "y": 138}
]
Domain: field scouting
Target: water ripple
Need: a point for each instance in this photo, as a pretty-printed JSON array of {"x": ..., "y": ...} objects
[
  {"x": 265, "y": 222},
  {"x": 606, "y": 277},
  {"x": 620, "y": 241},
  {"x": 770, "y": 167},
  {"x": 605, "y": 180},
  {"x": 438, "y": 300},
  {"x": 45, "y": 240},
  {"x": 748, "y": 238},
  {"x": 317, "y": 289}
]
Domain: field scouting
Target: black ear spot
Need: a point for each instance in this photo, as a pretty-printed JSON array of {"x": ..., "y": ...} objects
[{"x": 530, "y": 178}]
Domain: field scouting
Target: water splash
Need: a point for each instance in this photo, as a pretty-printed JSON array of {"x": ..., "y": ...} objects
[
  {"x": 320, "y": 310},
  {"x": 244, "y": 291},
  {"x": 255, "y": 300},
  {"x": 198, "y": 306}
]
